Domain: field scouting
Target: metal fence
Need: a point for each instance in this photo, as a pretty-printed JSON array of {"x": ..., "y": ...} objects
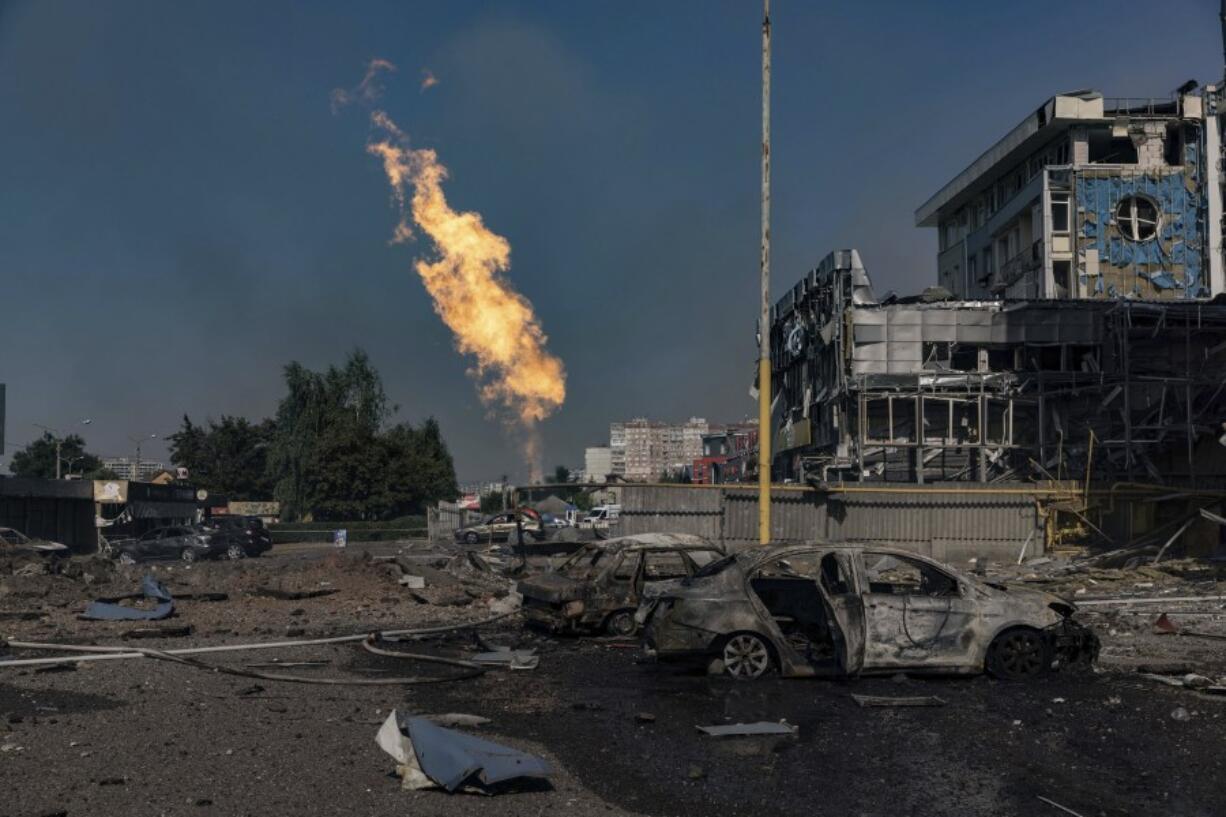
[
  {"x": 443, "y": 520},
  {"x": 951, "y": 523}
]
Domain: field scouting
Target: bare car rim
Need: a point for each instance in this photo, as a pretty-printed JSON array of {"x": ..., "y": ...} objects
[
  {"x": 235, "y": 552},
  {"x": 127, "y": 559},
  {"x": 1020, "y": 654},
  {"x": 188, "y": 555},
  {"x": 621, "y": 623},
  {"x": 471, "y": 538},
  {"x": 746, "y": 656}
]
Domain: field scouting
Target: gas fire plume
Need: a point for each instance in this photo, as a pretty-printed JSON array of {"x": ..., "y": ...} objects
[{"x": 467, "y": 282}]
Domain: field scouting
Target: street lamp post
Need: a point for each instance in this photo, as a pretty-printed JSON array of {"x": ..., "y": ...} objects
[
  {"x": 138, "y": 439},
  {"x": 58, "y": 437},
  {"x": 764, "y": 326}
]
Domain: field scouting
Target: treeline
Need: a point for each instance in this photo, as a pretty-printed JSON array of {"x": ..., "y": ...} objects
[{"x": 328, "y": 454}]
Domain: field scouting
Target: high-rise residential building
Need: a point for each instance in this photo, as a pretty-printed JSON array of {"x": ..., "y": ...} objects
[
  {"x": 642, "y": 449},
  {"x": 128, "y": 468},
  {"x": 598, "y": 463}
]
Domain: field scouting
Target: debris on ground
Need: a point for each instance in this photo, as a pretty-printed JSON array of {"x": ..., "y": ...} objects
[
  {"x": 159, "y": 632},
  {"x": 430, "y": 756},
  {"x": 508, "y": 658},
  {"x": 909, "y": 700},
  {"x": 749, "y": 729},
  {"x": 151, "y": 589},
  {"x": 451, "y": 720}
]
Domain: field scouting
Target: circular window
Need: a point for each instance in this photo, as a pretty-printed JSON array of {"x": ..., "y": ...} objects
[{"x": 1137, "y": 218}]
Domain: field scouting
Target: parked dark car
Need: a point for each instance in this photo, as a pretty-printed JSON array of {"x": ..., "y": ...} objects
[
  {"x": 248, "y": 530},
  {"x": 182, "y": 542},
  {"x": 15, "y": 543},
  {"x": 845, "y": 610},
  {"x": 599, "y": 586}
]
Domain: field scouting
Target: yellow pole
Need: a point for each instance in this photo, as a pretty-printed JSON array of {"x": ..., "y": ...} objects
[{"x": 764, "y": 325}]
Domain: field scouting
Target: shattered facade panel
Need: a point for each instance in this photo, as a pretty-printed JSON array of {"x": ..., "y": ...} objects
[{"x": 929, "y": 389}]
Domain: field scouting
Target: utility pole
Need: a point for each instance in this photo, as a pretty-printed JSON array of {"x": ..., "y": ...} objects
[
  {"x": 58, "y": 436},
  {"x": 138, "y": 439},
  {"x": 764, "y": 326}
]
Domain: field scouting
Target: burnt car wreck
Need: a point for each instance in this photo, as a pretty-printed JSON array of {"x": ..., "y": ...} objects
[
  {"x": 841, "y": 610},
  {"x": 599, "y": 586}
]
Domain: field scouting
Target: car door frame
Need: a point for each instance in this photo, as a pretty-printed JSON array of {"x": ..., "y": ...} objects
[
  {"x": 944, "y": 650},
  {"x": 845, "y": 626}
]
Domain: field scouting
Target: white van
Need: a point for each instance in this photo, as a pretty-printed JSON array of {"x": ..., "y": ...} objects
[{"x": 601, "y": 515}]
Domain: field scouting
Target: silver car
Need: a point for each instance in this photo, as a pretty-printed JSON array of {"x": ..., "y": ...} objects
[{"x": 845, "y": 610}]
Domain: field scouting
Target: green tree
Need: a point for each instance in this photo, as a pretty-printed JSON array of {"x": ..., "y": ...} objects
[
  {"x": 229, "y": 457},
  {"x": 561, "y": 474},
  {"x": 331, "y": 457},
  {"x": 38, "y": 458}
]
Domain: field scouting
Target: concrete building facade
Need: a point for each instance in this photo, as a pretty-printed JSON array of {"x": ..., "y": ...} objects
[
  {"x": 1089, "y": 197},
  {"x": 597, "y": 463}
]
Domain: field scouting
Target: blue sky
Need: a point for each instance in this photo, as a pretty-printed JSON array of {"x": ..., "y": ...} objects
[{"x": 181, "y": 214}]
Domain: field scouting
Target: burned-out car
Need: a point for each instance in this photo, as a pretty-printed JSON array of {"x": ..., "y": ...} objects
[
  {"x": 15, "y": 543},
  {"x": 599, "y": 586},
  {"x": 845, "y": 610}
]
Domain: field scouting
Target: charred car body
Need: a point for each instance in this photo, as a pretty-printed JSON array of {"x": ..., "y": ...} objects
[
  {"x": 600, "y": 585},
  {"x": 15, "y": 543},
  {"x": 846, "y": 610}
]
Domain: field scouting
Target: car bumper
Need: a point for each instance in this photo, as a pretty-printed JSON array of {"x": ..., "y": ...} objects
[{"x": 1072, "y": 643}]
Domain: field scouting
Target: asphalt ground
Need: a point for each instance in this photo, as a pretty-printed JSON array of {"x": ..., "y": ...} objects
[{"x": 147, "y": 737}]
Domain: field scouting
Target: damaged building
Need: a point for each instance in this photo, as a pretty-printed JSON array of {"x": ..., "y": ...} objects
[{"x": 1077, "y": 333}]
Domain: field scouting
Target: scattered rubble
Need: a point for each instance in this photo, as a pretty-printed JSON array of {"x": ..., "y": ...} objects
[
  {"x": 750, "y": 729},
  {"x": 430, "y": 756}
]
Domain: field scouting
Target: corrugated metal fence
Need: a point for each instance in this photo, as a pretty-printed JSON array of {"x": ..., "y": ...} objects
[
  {"x": 950, "y": 523},
  {"x": 444, "y": 519}
]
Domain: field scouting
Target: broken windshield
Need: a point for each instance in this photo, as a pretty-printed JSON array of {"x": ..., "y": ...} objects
[{"x": 583, "y": 564}]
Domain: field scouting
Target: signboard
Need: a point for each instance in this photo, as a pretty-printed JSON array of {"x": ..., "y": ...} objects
[{"x": 113, "y": 491}]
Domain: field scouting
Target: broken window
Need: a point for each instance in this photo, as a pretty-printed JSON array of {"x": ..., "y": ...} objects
[
  {"x": 1059, "y": 213},
  {"x": 834, "y": 579},
  {"x": 1136, "y": 217},
  {"x": 1062, "y": 275},
  {"x": 899, "y": 576},
  {"x": 628, "y": 567},
  {"x": 702, "y": 558},
  {"x": 661, "y": 565},
  {"x": 964, "y": 358}
]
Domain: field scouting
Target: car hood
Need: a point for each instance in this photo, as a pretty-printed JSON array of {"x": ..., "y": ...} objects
[
  {"x": 1027, "y": 597},
  {"x": 551, "y": 587}
]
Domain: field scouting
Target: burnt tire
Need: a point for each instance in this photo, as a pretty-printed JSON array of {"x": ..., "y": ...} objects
[
  {"x": 621, "y": 623},
  {"x": 471, "y": 538},
  {"x": 1019, "y": 654},
  {"x": 188, "y": 556},
  {"x": 746, "y": 656}
]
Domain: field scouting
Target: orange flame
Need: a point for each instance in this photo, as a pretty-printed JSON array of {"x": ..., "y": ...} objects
[{"x": 489, "y": 319}]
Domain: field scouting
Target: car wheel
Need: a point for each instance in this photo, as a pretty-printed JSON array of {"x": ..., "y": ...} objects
[
  {"x": 1018, "y": 654},
  {"x": 188, "y": 555},
  {"x": 471, "y": 538},
  {"x": 746, "y": 656},
  {"x": 235, "y": 552},
  {"x": 621, "y": 624},
  {"x": 127, "y": 559}
]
